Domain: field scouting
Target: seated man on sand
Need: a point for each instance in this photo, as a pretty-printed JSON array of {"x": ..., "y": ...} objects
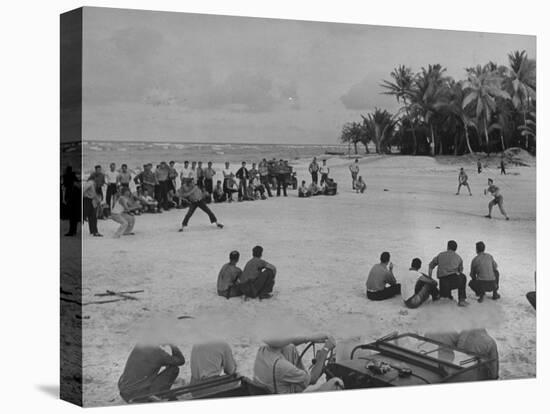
[
  {"x": 360, "y": 185},
  {"x": 278, "y": 369},
  {"x": 149, "y": 370},
  {"x": 258, "y": 189},
  {"x": 314, "y": 189},
  {"x": 303, "y": 190},
  {"x": 484, "y": 274},
  {"x": 149, "y": 204},
  {"x": 381, "y": 283},
  {"x": 258, "y": 276},
  {"x": 416, "y": 287},
  {"x": 228, "y": 278},
  {"x": 449, "y": 272},
  {"x": 210, "y": 359},
  {"x": 218, "y": 194}
]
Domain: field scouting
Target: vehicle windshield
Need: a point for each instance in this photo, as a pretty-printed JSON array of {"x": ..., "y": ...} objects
[{"x": 439, "y": 351}]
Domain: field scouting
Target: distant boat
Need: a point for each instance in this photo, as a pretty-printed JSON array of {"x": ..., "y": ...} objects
[{"x": 334, "y": 153}]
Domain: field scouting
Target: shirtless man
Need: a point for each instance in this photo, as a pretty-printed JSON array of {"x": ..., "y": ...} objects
[
  {"x": 463, "y": 181},
  {"x": 497, "y": 200}
]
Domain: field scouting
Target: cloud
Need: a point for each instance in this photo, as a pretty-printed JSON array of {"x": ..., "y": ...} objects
[{"x": 360, "y": 95}]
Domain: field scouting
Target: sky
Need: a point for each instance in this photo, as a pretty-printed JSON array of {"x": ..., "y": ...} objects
[{"x": 161, "y": 76}]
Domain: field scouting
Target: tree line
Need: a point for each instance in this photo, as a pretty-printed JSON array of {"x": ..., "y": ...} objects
[{"x": 492, "y": 109}]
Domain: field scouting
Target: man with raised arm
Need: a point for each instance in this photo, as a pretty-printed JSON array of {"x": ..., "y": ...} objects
[{"x": 381, "y": 283}]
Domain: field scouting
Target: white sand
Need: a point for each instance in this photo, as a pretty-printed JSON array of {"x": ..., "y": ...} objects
[{"x": 323, "y": 248}]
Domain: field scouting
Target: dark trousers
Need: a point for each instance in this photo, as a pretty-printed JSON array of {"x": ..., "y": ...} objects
[
  {"x": 208, "y": 185},
  {"x": 90, "y": 212},
  {"x": 218, "y": 198},
  {"x": 202, "y": 205},
  {"x": 232, "y": 292},
  {"x": 260, "y": 286},
  {"x": 532, "y": 298},
  {"x": 451, "y": 282},
  {"x": 281, "y": 182},
  {"x": 200, "y": 182},
  {"x": 159, "y": 383},
  {"x": 323, "y": 178},
  {"x": 111, "y": 191},
  {"x": 264, "y": 179},
  {"x": 315, "y": 177},
  {"x": 482, "y": 286},
  {"x": 228, "y": 191},
  {"x": 388, "y": 292},
  {"x": 164, "y": 187},
  {"x": 422, "y": 291}
]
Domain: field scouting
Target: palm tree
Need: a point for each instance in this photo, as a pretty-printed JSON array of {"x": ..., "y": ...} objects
[
  {"x": 522, "y": 84},
  {"x": 482, "y": 88},
  {"x": 352, "y": 133},
  {"x": 429, "y": 93},
  {"x": 379, "y": 127},
  {"x": 402, "y": 88},
  {"x": 454, "y": 107}
]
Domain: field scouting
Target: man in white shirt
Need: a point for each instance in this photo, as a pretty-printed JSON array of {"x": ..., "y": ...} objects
[
  {"x": 227, "y": 177},
  {"x": 416, "y": 287},
  {"x": 111, "y": 180},
  {"x": 184, "y": 174},
  {"x": 209, "y": 359}
]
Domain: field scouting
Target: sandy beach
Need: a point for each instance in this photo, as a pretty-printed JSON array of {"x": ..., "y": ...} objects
[{"x": 323, "y": 248}]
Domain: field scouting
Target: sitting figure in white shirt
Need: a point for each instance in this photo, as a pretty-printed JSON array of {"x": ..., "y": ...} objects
[{"x": 417, "y": 287}]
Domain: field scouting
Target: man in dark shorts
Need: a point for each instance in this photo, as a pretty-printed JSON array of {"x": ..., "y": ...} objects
[
  {"x": 195, "y": 197},
  {"x": 142, "y": 374},
  {"x": 381, "y": 283},
  {"x": 502, "y": 166},
  {"x": 497, "y": 200},
  {"x": 258, "y": 276},
  {"x": 484, "y": 274},
  {"x": 228, "y": 278},
  {"x": 463, "y": 181},
  {"x": 449, "y": 272}
]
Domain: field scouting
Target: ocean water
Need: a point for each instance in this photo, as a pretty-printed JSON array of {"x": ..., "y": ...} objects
[{"x": 135, "y": 154}]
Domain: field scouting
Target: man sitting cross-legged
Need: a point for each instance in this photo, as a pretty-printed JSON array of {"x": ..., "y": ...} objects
[
  {"x": 258, "y": 276},
  {"x": 228, "y": 278},
  {"x": 416, "y": 287},
  {"x": 277, "y": 366},
  {"x": 381, "y": 283},
  {"x": 484, "y": 274},
  {"x": 449, "y": 272}
]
